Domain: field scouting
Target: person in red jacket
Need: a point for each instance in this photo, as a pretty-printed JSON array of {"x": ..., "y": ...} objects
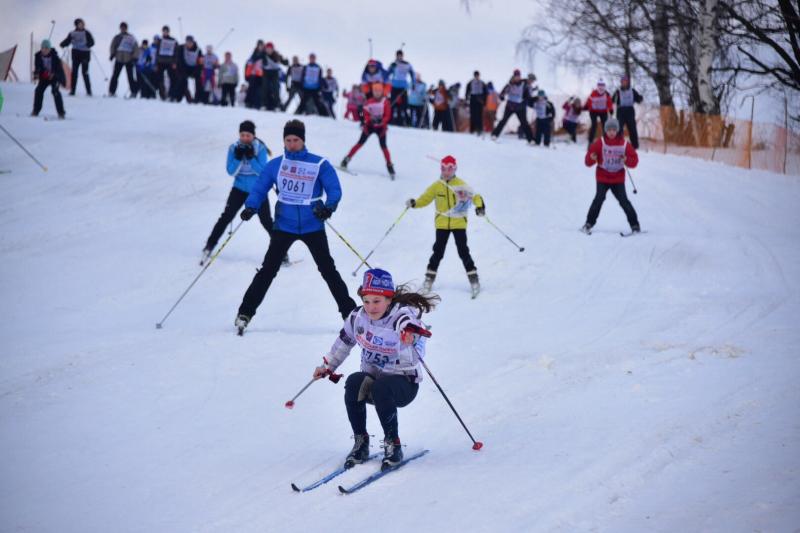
[
  {"x": 612, "y": 153},
  {"x": 600, "y": 106},
  {"x": 377, "y": 113}
]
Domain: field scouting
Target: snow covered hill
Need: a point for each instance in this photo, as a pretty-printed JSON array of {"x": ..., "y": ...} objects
[{"x": 642, "y": 384}]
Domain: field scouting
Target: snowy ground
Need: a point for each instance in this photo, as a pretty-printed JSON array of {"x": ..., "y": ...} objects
[{"x": 642, "y": 384}]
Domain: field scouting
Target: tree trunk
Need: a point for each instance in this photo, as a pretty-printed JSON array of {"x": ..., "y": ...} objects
[
  {"x": 708, "y": 27},
  {"x": 662, "y": 75}
]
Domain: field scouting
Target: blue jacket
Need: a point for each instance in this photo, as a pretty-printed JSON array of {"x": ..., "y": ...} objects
[
  {"x": 298, "y": 219},
  {"x": 312, "y": 76},
  {"x": 417, "y": 94},
  {"x": 247, "y": 171},
  {"x": 400, "y": 73}
]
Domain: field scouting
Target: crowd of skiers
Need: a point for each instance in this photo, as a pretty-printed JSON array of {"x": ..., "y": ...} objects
[{"x": 173, "y": 71}]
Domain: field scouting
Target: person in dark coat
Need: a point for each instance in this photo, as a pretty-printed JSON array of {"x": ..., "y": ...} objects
[{"x": 50, "y": 73}]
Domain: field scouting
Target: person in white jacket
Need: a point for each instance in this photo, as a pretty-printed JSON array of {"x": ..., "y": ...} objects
[{"x": 384, "y": 327}]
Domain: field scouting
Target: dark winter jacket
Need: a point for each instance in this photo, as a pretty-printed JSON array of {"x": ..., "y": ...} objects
[
  {"x": 54, "y": 70},
  {"x": 274, "y": 60},
  {"x": 477, "y": 89},
  {"x": 81, "y": 40},
  {"x": 626, "y": 97},
  {"x": 123, "y": 47},
  {"x": 189, "y": 58}
]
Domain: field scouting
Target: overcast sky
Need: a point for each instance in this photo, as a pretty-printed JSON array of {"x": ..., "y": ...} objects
[{"x": 441, "y": 39}]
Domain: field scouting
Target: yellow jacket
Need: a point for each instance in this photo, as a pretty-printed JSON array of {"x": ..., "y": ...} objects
[{"x": 452, "y": 202}]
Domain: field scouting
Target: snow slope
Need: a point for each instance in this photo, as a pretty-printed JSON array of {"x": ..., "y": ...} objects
[{"x": 642, "y": 384}]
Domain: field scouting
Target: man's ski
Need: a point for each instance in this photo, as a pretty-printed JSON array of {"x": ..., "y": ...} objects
[
  {"x": 630, "y": 233},
  {"x": 339, "y": 471},
  {"x": 377, "y": 475}
]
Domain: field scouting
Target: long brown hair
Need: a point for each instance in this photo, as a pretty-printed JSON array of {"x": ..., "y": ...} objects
[{"x": 425, "y": 303}]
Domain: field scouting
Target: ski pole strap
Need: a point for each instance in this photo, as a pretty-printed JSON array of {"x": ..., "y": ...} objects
[{"x": 347, "y": 243}]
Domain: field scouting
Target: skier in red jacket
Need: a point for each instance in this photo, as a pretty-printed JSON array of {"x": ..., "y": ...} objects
[
  {"x": 377, "y": 113},
  {"x": 600, "y": 107},
  {"x": 612, "y": 153}
]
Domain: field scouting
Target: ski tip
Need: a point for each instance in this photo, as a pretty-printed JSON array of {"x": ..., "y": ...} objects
[
  {"x": 477, "y": 446},
  {"x": 343, "y": 490},
  {"x": 289, "y": 404},
  {"x": 296, "y": 488}
]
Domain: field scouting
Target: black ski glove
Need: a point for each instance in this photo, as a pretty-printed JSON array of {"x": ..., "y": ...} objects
[
  {"x": 411, "y": 203},
  {"x": 248, "y": 213},
  {"x": 322, "y": 212},
  {"x": 249, "y": 152},
  {"x": 238, "y": 152},
  {"x": 480, "y": 211}
]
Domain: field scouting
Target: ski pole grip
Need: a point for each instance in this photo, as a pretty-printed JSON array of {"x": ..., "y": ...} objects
[
  {"x": 413, "y": 328},
  {"x": 334, "y": 377}
]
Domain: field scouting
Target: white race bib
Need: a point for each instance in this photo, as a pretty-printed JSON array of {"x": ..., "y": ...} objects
[
  {"x": 464, "y": 196},
  {"x": 515, "y": 92},
  {"x": 599, "y": 102},
  {"x": 296, "y": 181},
  {"x": 79, "y": 40},
  {"x": 126, "y": 44},
  {"x": 167, "y": 47},
  {"x": 626, "y": 97},
  {"x": 613, "y": 156}
]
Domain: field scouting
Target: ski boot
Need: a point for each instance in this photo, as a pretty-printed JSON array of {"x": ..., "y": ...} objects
[
  {"x": 345, "y": 161},
  {"x": 360, "y": 451},
  {"x": 390, "y": 169},
  {"x": 241, "y": 323},
  {"x": 430, "y": 277},
  {"x": 392, "y": 453},
  {"x": 285, "y": 262},
  {"x": 474, "y": 284},
  {"x": 635, "y": 228},
  {"x": 587, "y": 229},
  {"x": 206, "y": 256}
]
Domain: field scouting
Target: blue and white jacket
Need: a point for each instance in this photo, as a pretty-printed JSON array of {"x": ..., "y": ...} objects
[
  {"x": 246, "y": 171},
  {"x": 298, "y": 219}
]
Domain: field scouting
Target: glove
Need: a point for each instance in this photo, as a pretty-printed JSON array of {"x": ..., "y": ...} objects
[
  {"x": 480, "y": 211},
  {"x": 322, "y": 212},
  {"x": 411, "y": 203},
  {"x": 238, "y": 152},
  {"x": 249, "y": 152},
  {"x": 248, "y": 213},
  {"x": 408, "y": 337}
]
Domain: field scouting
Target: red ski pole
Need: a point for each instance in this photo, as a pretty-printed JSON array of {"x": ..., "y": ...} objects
[{"x": 331, "y": 376}]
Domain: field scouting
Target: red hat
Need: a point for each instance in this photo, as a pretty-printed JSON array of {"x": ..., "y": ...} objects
[
  {"x": 517, "y": 72},
  {"x": 449, "y": 160},
  {"x": 269, "y": 45}
]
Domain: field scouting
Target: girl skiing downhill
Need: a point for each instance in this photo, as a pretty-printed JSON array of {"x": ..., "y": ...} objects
[
  {"x": 612, "y": 153},
  {"x": 377, "y": 113},
  {"x": 390, "y": 353},
  {"x": 453, "y": 198}
]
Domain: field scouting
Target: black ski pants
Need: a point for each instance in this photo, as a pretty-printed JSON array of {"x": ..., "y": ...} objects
[
  {"x": 279, "y": 244},
  {"x": 118, "y": 66},
  {"x": 476, "y": 114},
  {"x": 572, "y": 129},
  {"x": 460, "y": 236},
  {"x": 80, "y": 59},
  {"x": 542, "y": 131},
  {"x": 519, "y": 111},
  {"x": 314, "y": 96},
  {"x": 627, "y": 118},
  {"x": 228, "y": 94},
  {"x": 295, "y": 88},
  {"x": 399, "y": 103},
  {"x": 235, "y": 201},
  {"x": 386, "y": 393},
  {"x": 270, "y": 92},
  {"x": 618, "y": 190},
  {"x": 594, "y": 118},
  {"x": 169, "y": 68},
  {"x": 38, "y": 96},
  {"x": 445, "y": 118}
]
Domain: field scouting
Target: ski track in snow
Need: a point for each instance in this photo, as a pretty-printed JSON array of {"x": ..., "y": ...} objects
[{"x": 645, "y": 384}]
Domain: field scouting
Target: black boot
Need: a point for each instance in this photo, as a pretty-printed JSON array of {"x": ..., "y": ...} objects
[
  {"x": 392, "y": 453},
  {"x": 360, "y": 451},
  {"x": 345, "y": 161},
  {"x": 430, "y": 277}
]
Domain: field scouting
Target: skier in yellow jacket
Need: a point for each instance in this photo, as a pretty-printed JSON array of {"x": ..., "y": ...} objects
[{"x": 453, "y": 198}]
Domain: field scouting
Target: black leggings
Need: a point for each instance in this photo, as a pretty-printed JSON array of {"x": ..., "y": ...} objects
[
  {"x": 460, "y": 236},
  {"x": 80, "y": 59},
  {"x": 279, "y": 244},
  {"x": 594, "y": 118},
  {"x": 228, "y": 94},
  {"x": 618, "y": 190},
  {"x": 235, "y": 201},
  {"x": 519, "y": 111},
  {"x": 386, "y": 393}
]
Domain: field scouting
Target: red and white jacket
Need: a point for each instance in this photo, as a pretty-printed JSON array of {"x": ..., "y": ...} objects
[
  {"x": 599, "y": 102},
  {"x": 613, "y": 155},
  {"x": 377, "y": 114}
]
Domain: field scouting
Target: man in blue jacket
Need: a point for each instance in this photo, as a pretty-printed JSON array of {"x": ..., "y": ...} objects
[
  {"x": 300, "y": 178},
  {"x": 246, "y": 159}
]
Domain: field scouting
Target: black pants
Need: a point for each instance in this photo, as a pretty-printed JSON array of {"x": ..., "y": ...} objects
[
  {"x": 386, "y": 393},
  {"x": 112, "y": 87},
  {"x": 38, "y": 96},
  {"x": 279, "y": 244},
  {"x": 161, "y": 68},
  {"x": 519, "y": 111},
  {"x": 627, "y": 118},
  {"x": 235, "y": 201},
  {"x": 572, "y": 129},
  {"x": 146, "y": 83},
  {"x": 593, "y": 119},
  {"x": 460, "y": 236},
  {"x": 312, "y": 95},
  {"x": 228, "y": 94},
  {"x": 191, "y": 73},
  {"x": 418, "y": 116},
  {"x": 444, "y": 118},
  {"x": 542, "y": 130},
  {"x": 80, "y": 58},
  {"x": 399, "y": 107},
  {"x": 270, "y": 95},
  {"x": 253, "y": 98},
  {"x": 476, "y": 114},
  {"x": 618, "y": 190},
  {"x": 294, "y": 88}
]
